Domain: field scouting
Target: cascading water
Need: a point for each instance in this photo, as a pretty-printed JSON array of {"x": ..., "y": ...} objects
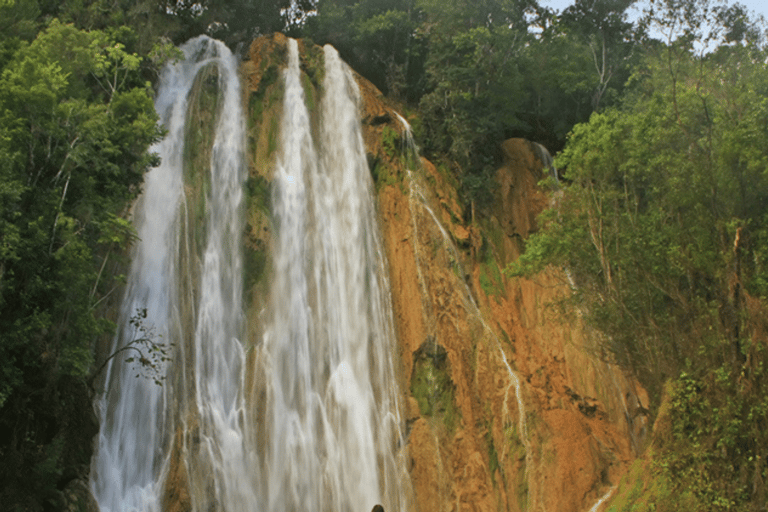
[
  {"x": 203, "y": 390},
  {"x": 603, "y": 499},
  {"x": 219, "y": 460},
  {"x": 333, "y": 418},
  {"x": 471, "y": 306},
  {"x": 329, "y": 436},
  {"x": 411, "y": 152}
]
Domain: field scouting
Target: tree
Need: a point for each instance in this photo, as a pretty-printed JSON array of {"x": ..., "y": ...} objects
[
  {"x": 602, "y": 26},
  {"x": 145, "y": 350},
  {"x": 474, "y": 91},
  {"x": 76, "y": 122},
  {"x": 235, "y": 22},
  {"x": 666, "y": 201}
]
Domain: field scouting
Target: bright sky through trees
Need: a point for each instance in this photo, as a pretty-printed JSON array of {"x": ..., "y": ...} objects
[{"x": 757, "y": 6}]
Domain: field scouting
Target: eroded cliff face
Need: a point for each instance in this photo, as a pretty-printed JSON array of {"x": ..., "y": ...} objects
[
  {"x": 474, "y": 451},
  {"x": 508, "y": 404}
]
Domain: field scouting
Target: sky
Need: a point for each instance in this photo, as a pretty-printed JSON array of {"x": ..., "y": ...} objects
[
  {"x": 753, "y": 6},
  {"x": 758, "y": 6}
]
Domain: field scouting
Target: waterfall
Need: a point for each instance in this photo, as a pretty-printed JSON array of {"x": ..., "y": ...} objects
[
  {"x": 333, "y": 416},
  {"x": 603, "y": 499},
  {"x": 418, "y": 197},
  {"x": 218, "y": 457},
  {"x": 330, "y": 436},
  {"x": 138, "y": 417}
]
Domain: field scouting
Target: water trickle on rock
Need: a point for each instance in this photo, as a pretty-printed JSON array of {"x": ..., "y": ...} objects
[{"x": 418, "y": 200}]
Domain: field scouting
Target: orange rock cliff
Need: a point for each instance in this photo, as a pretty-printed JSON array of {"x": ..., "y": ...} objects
[{"x": 507, "y": 406}]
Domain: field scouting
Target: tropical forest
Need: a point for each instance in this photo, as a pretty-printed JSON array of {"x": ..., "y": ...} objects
[{"x": 388, "y": 255}]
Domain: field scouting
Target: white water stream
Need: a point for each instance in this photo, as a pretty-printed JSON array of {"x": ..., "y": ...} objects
[
  {"x": 331, "y": 427},
  {"x": 417, "y": 193},
  {"x": 137, "y": 416},
  {"x": 333, "y": 418}
]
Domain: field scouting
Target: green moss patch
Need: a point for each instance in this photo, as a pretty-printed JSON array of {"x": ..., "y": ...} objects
[
  {"x": 202, "y": 118},
  {"x": 313, "y": 62},
  {"x": 383, "y": 174},
  {"x": 491, "y": 280},
  {"x": 431, "y": 384}
]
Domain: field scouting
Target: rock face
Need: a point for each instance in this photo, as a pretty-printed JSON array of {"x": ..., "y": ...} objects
[
  {"x": 508, "y": 405},
  {"x": 518, "y": 199}
]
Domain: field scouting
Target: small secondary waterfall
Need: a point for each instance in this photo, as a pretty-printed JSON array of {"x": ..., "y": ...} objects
[
  {"x": 418, "y": 202},
  {"x": 417, "y": 193},
  {"x": 329, "y": 437}
]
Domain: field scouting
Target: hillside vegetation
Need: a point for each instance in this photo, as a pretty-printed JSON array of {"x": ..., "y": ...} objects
[{"x": 659, "y": 214}]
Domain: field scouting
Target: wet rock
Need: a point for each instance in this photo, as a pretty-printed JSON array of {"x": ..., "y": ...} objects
[{"x": 77, "y": 497}]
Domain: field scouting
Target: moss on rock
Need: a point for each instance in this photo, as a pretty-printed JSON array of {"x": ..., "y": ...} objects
[{"x": 431, "y": 384}]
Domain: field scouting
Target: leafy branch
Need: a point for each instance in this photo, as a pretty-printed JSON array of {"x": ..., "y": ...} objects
[{"x": 147, "y": 353}]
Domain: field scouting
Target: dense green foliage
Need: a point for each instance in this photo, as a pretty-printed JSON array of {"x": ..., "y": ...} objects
[
  {"x": 76, "y": 121},
  {"x": 709, "y": 452},
  {"x": 660, "y": 220},
  {"x": 661, "y": 226},
  {"x": 718, "y": 438},
  {"x": 477, "y": 72}
]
